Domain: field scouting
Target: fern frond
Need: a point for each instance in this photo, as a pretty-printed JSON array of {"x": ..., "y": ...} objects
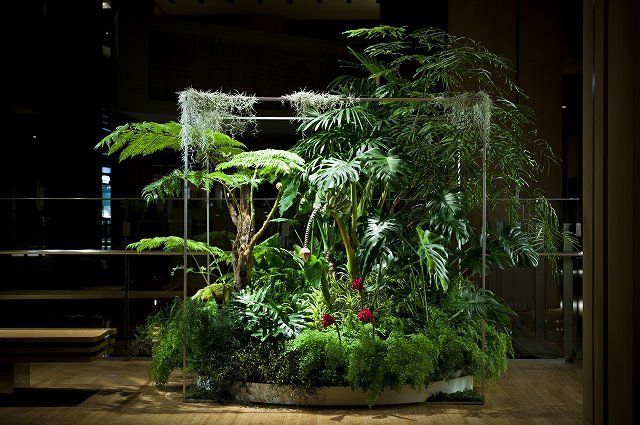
[
  {"x": 146, "y": 138},
  {"x": 176, "y": 244},
  {"x": 142, "y": 139},
  {"x": 234, "y": 180},
  {"x": 268, "y": 162},
  {"x": 170, "y": 186},
  {"x": 224, "y": 145}
]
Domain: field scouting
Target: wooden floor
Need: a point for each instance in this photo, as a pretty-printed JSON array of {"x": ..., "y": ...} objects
[{"x": 119, "y": 391}]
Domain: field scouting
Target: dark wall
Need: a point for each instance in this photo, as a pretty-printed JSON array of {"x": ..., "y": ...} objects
[
  {"x": 56, "y": 82},
  {"x": 612, "y": 193}
]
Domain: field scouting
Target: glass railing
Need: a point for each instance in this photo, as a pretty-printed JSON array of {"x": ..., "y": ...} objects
[
  {"x": 65, "y": 263},
  {"x": 546, "y": 298}
]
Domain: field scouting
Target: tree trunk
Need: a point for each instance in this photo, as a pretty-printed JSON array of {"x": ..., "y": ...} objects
[
  {"x": 242, "y": 268},
  {"x": 243, "y": 216},
  {"x": 242, "y": 255}
]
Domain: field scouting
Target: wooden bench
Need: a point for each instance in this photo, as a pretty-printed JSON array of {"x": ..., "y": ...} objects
[{"x": 19, "y": 347}]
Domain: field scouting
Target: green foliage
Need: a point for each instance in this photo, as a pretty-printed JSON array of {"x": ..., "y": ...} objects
[
  {"x": 290, "y": 192},
  {"x": 375, "y": 364},
  {"x": 387, "y": 169},
  {"x": 269, "y": 313},
  {"x": 193, "y": 324},
  {"x": 267, "y": 162},
  {"x": 220, "y": 292},
  {"x": 469, "y": 396},
  {"x": 169, "y": 186},
  {"x": 410, "y": 360},
  {"x": 333, "y": 172},
  {"x": 366, "y": 369},
  {"x": 377, "y": 239},
  {"x": 433, "y": 258},
  {"x": 142, "y": 139},
  {"x": 381, "y": 31},
  {"x": 394, "y": 189},
  {"x": 176, "y": 244},
  {"x": 147, "y": 138},
  {"x": 446, "y": 215},
  {"x": 322, "y": 359},
  {"x": 476, "y": 304}
]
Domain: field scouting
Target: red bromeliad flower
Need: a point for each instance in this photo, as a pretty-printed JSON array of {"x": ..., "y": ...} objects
[
  {"x": 364, "y": 315},
  {"x": 357, "y": 284},
  {"x": 328, "y": 320}
]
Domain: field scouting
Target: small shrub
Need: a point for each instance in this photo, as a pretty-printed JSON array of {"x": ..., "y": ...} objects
[
  {"x": 322, "y": 359},
  {"x": 409, "y": 360}
]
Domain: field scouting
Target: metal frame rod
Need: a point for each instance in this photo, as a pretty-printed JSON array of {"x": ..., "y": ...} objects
[
  {"x": 90, "y": 252},
  {"x": 185, "y": 233},
  {"x": 352, "y": 99},
  {"x": 127, "y": 252},
  {"x": 484, "y": 249}
]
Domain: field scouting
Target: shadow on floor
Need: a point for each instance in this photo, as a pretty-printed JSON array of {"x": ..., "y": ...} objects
[{"x": 45, "y": 397}]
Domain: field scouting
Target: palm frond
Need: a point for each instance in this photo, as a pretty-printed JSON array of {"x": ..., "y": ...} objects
[{"x": 380, "y": 31}]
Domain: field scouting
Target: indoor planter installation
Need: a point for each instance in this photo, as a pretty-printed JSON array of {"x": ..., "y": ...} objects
[{"x": 381, "y": 299}]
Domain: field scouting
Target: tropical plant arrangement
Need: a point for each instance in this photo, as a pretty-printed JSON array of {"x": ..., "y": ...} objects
[{"x": 382, "y": 290}]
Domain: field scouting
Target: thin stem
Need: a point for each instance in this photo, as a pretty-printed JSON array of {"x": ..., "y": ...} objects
[
  {"x": 351, "y": 255},
  {"x": 266, "y": 221}
]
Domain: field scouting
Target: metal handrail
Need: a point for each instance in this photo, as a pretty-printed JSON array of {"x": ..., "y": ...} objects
[
  {"x": 120, "y": 252},
  {"x": 124, "y": 252},
  {"x": 89, "y": 198}
]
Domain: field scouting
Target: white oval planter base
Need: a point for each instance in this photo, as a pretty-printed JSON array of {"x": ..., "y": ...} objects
[{"x": 253, "y": 392}]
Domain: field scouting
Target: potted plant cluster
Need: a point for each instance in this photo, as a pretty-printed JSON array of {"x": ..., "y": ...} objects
[{"x": 380, "y": 295}]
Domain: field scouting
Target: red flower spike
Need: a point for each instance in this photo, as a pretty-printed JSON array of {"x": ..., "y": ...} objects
[
  {"x": 357, "y": 284},
  {"x": 364, "y": 315},
  {"x": 328, "y": 320}
]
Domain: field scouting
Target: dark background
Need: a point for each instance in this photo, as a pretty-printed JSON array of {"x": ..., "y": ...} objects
[{"x": 77, "y": 69}]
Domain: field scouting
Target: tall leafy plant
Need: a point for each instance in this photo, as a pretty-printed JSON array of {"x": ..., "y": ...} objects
[
  {"x": 228, "y": 164},
  {"x": 421, "y": 162}
]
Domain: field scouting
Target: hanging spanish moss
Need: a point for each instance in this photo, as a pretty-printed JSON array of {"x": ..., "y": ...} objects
[
  {"x": 306, "y": 102},
  {"x": 469, "y": 110},
  {"x": 202, "y": 112}
]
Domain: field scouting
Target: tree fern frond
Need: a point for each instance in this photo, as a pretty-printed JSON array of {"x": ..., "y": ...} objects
[
  {"x": 142, "y": 139},
  {"x": 146, "y": 138},
  {"x": 170, "y": 186},
  {"x": 234, "y": 180},
  {"x": 222, "y": 144},
  {"x": 268, "y": 162},
  {"x": 176, "y": 244}
]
